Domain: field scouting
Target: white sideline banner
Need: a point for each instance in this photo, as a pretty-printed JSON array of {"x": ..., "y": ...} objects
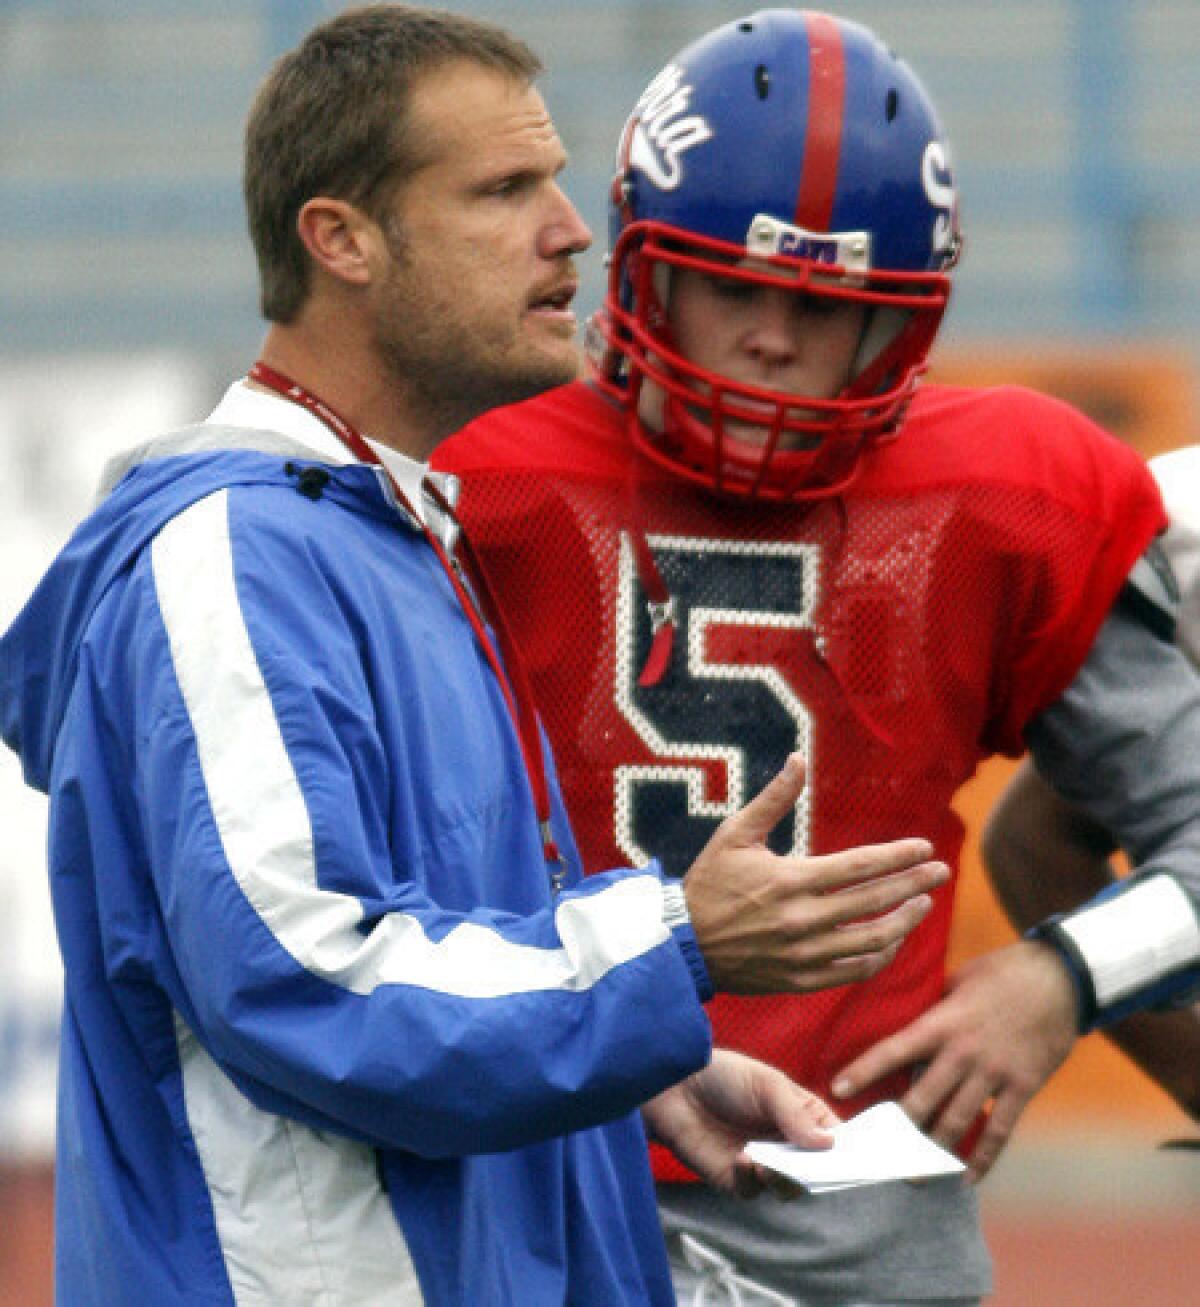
[{"x": 61, "y": 419}]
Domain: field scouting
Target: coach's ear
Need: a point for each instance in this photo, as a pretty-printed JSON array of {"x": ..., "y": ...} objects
[{"x": 340, "y": 239}]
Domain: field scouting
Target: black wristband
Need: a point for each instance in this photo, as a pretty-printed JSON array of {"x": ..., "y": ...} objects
[{"x": 1087, "y": 1009}]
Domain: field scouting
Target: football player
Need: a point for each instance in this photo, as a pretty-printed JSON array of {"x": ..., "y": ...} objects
[{"x": 750, "y": 530}]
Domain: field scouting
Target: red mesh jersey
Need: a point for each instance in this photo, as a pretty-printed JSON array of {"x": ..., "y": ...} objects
[{"x": 895, "y": 636}]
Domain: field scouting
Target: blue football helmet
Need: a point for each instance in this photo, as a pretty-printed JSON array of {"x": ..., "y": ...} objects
[{"x": 788, "y": 149}]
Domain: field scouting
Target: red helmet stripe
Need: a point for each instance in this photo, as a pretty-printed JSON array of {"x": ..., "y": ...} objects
[{"x": 823, "y": 134}]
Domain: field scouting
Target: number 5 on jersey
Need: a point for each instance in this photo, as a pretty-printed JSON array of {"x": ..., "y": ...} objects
[{"x": 723, "y": 718}]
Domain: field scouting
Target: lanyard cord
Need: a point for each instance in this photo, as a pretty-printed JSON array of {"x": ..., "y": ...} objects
[
  {"x": 660, "y": 603},
  {"x": 514, "y": 685}
]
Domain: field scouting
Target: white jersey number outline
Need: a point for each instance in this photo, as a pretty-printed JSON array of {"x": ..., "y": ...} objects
[{"x": 689, "y": 716}]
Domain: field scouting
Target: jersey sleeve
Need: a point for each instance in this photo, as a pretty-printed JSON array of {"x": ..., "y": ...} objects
[
  {"x": 1178, "y": 476},
  {"x": 338, "y": 970},
  {"x": 1097, "y": 510}
]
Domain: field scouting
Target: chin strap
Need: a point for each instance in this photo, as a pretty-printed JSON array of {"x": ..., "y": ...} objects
[{"x": 661, "y": 605}]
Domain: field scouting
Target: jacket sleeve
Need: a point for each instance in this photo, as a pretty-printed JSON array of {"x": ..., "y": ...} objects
[{"x": 327, "y": 973}]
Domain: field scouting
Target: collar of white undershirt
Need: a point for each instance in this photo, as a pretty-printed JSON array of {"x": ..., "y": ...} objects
[{"x": 244, "y": 406}]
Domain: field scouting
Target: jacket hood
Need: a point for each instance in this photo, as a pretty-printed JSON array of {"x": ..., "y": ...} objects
[{"x": 142, "y": 491}]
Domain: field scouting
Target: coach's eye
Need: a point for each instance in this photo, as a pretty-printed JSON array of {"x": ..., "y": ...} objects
[{"x": 516, "y": 184}]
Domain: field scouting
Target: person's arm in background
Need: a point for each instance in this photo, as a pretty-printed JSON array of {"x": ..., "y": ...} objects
[{"x": 1045, "y": 857}]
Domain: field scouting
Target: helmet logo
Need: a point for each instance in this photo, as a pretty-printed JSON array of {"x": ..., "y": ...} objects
[
  {"x": 663, "y": 129},
  {"x": 939, "y": 191},
  {"x": 850, "y": 250}
]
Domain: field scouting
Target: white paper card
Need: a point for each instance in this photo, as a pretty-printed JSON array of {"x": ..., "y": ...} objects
[{"x": 878, "y": 1145}]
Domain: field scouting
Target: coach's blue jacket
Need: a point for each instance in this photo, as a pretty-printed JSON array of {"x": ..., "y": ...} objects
[{"x": 328, "y": 1036}]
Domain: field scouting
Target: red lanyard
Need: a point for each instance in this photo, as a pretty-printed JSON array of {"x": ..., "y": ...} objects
[{"x": 518, "y": 696}]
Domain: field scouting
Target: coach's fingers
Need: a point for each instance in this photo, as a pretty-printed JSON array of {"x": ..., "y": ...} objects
[
  {"x": 808, "y": 978},
  {"x": 869, "y": 865},
  {"x": 752, "y": 824},
  {"x": 795, "y": 1113},
  {"x": 868, "y": 946},
  {"x": 844, "y": 955},
  {"x": 873, "y": 930},
  {"x": 872, "y": 898}
]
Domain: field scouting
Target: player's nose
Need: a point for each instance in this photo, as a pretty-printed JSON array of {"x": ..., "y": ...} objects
[{"x": 776, "y": 335}]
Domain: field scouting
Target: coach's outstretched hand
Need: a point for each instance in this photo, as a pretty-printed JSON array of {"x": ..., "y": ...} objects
[
  {"x": 769, "y": 924},
  {"x": 709, "y": 1118}
]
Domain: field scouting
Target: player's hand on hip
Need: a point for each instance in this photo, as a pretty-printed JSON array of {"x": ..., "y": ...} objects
[
  {"x": 1005, "y": 1025},
  {"x": 768, "y": 924}
]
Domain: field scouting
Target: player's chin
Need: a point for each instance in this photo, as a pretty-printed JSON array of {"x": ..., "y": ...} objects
[{"x": 757, "y": 436}]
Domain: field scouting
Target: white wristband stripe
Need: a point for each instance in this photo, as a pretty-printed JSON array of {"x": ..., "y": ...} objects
[
  {"x": 1136, "y": 937},
  {"x": 674, "y": 905}
]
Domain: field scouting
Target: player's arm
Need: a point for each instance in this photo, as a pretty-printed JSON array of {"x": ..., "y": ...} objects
[
  {"x": 1123, "y": 745},
  {"x": 1045, "y": 857}
]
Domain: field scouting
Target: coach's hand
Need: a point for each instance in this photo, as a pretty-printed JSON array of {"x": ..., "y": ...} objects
[
  {"x": 1005, "y": 1025},
  {"x": 709, "y": 1118},
  {"x": 767, "y": 924}
]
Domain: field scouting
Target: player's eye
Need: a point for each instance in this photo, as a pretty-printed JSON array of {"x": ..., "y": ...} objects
[
  {"x": 731, "y": 290},
  {"x": 816, "y": 306}
]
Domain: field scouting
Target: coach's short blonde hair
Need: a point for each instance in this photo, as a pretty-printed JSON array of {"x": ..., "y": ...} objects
[{"x": 332, "y": 118}]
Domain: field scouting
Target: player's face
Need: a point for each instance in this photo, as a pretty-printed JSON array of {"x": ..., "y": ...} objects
[
  {"x": 765, "y": 336},
  {"x": 474, "y": 306}
]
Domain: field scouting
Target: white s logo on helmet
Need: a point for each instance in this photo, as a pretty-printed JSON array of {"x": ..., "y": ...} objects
[{"x": 940, "y": 192}]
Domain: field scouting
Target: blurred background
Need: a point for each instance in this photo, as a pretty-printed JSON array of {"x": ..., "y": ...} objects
[{"x": 127, "y": 304}]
